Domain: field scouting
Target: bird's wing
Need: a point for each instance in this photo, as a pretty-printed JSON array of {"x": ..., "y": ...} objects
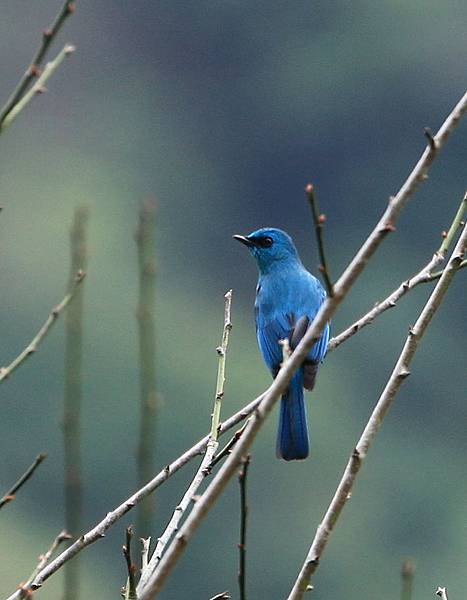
[
  {"x": 287, "y": 326},
  {"x": 269, "y": 334}
]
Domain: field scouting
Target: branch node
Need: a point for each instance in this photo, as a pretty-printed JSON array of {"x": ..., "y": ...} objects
[{"x": 431, "y": 140}]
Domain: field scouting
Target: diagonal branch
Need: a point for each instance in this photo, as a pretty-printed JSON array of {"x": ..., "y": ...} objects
[
  {"x": 205, "y": 466},
  {"x": 398, "y": 376},
  {"x": 24, "y": 590},
  {"x": 44, "y": 330},
  {"x": 396, "y": 204},
  {"x": 282, "y": 380},
  {"x": 34, "y": 69},
  {"x": 37, "y": 88},
  {"x": 425, "y": 275},
  {"x": 10, "y": 495}
]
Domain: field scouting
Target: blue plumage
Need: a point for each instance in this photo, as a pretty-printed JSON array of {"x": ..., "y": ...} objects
[{"x": 287, "y": 300}]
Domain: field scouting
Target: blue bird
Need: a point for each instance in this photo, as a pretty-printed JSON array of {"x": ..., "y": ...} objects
[{"x": 287, "y": 300}]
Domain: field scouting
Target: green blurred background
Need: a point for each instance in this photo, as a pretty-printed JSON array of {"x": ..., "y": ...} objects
[{"x": 222, "y": 111}]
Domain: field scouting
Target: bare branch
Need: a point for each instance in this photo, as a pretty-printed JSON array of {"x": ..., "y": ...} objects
[
  {"x": 227, "y": 449},
  {"x": 398, "y": 376},
  {"x": 396, "y": 204},
  {"x": 146, "y": 543},
  {"x": 11, "y": 494},
  {"x": 221, "y": 351},
  {"x": 130, "y": 588},
  {"x": 282, "y": 380},
  {"x": 34, "y": 69},
  {"x": 25, "y": 588},
  {"x": 242, "y": 478},
  {"x": 37, "y": 88},
  {"x": 205, "y": 467},
  {"x": 319, "y": 221},
  {"x": 44, "y": 330},
  {"x": 425, "y": 275}
]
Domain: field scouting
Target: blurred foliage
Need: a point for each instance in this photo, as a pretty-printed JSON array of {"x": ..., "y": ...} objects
[{"x": 222, "y": 112}]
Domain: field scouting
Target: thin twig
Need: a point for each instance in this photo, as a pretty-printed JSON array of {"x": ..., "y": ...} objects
[
  {"x": 98, "y": 531},
  {"x": 222, "y": 596},
  {"x": 282, "y": 380},
  {"x": 25, "y": 588},
  {"x": 417, "y": 175},
  {"x": 147, "y": 358},
  {"x": 44, "y": 330},
  {"x": 442, "y": 592},
  {"x": 319, "y": 220},
  {"x": 425, "y": 275},
  {"x": 407, "y": 576},
  {"x": 33, "y": 70},
  {"x": 11, "y": 494},
  {"x": 205, "y": 466},
  {"x": 221, "y": 351},
  {"x": 242, "y": 479},
  {"x": 398, "y": 376},
  {"x": 130, "y": 588},
  {"x": 146, "y": 544},
  {"x": 227, "y": 449},
  {"x": 38, "y": 87},
  {"x": 72, "y": 397}
]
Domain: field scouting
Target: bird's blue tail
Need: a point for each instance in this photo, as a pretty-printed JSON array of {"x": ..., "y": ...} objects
[{"x": 292, "y": 437}]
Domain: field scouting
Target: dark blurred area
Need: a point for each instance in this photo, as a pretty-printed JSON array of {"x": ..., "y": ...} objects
[{"x": 222, "y": 112}]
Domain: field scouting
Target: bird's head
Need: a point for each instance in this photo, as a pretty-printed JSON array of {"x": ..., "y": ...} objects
[{"x": 269, "y": 246}]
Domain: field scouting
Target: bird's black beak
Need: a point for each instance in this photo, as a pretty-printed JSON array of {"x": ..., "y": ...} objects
[{"x": 243, "y": 240}]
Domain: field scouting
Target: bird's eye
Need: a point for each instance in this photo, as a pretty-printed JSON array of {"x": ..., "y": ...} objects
[{"x": 266, "y": 242}]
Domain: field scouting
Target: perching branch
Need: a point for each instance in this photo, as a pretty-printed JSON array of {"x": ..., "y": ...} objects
[
  {"x": 44, "y": 330},
  {"x": 11, "y": 494},
  {"x": 319, "y": 221},
  {"x": 425, "y": 275},
  {"x": 282, "y": 380},
  {"x": 407, "y": 576},
  {"x": 147, "y": 358},
  {"x": 396, "y": 204},
  {"x": 242, "y": 478},
  {"x": 37, "y": 88},
  {"x": 34, "y": 69},
  {"x": 398, "y": 376},
  {"x": 211, "y": 449}
]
